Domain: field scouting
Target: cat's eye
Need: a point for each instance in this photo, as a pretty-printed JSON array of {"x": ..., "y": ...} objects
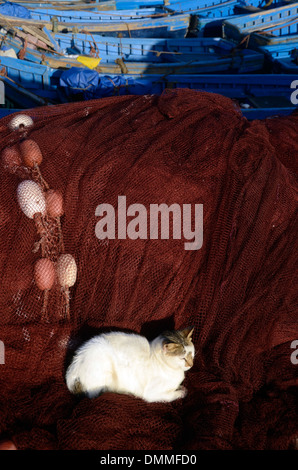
[{"x": 189, "y": 360}]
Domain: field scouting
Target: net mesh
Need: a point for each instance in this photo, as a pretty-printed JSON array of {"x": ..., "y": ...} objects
[{"x": 239, "y": 290}]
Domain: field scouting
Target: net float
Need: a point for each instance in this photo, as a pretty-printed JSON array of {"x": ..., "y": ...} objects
[
  {"x": 11, "y": 158},
  {"x": 31, "y": 153},
  {"x": 44, "y": 276},
  {"x": 20, "y": 122},
  {"x": 44, "y": 273},
  {"x": 31, "y": 198},
  {"x": 54, "y": 203},
  {"x": 66, "y": 270}
]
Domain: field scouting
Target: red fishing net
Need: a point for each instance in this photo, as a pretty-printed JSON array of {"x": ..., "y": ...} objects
[{"x": 239, "y": 290}]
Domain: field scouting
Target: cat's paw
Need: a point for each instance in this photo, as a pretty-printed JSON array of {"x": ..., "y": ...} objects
[{"x": 181, "y": 392}]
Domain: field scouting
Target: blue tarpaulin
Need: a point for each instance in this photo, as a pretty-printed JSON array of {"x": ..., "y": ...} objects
[
  {"x": 14, "y": 9},
  {"x": 91, "y": 85}
]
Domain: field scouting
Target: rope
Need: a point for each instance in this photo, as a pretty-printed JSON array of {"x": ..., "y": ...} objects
[
  {"x": 268, "y": 3},
  {"x": 117, "y": 87},
  {"x": 245, "y": 41},
  {"x": 246, "y": 38},
  {"x": 95, "y": 45},
  {"x": 276, "y": 26},
  {"x": 129, "y": 33}
]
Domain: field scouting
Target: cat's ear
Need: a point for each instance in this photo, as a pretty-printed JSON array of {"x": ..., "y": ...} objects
[
  {"x": 170, "y": 348},
  {"x": 187, "y": 332}
]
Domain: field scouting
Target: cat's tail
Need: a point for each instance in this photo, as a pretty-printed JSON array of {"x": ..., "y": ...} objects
[{"x": 73, "y": 382}]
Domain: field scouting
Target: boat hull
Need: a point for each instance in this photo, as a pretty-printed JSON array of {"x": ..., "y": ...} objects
[
  {"x": 193, "y": 60},
  {"x": 44, "y": 83},
  {"x": 280, "y": 21}
]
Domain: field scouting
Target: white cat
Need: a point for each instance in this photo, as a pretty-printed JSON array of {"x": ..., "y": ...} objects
[{"x": 129, "y": 363}]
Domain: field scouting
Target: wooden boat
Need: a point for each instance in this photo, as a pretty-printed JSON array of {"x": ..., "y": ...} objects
[
  {"x": 215, "y": 24},
  {"x": 78, "y": 16},
  {"x": 287, "y": 64},
  {"x": 38, "y": 79},
  {"x": 222, "y": 9},
  {"x": 266, "y": 39},
  {"x": 210, "y": 9},
  {"x": 128, "y": 49},
  {"x": 282, "y": 56},
  {"x": 282, "y": 21},
  {"x": 151, "y": 50},
  {"x": 173, "y": 5},
  {"x": 241, "y": 6},
  {"x": 257, "y": 96},
  {"x": 95, "y": 6},
  {"x": 164, "y": 26},
  {"x": 206, "y": 11},
  {"x": 279, "y": 51},
  {"x": 19, "y": 96},
  {"x": 44, "y": 82},
  {"x": 111, "y": 48},
  {"x": 247, "y": 7},
  {"x": 218, "y": 10},
  {"x": 243, "y": 61}
]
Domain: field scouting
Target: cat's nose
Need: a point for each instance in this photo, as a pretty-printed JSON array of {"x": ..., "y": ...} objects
[{"x": 189, "y": 360}]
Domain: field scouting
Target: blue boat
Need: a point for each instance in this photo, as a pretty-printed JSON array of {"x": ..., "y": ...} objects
[
  {"x": 280, "y": 51},
  {"x": 216, "y": 10},
  {"x": 164, "y": 26},
  {"x": 102, "y": 5},
  {"x": 262, "y": 93},
  {"x": 173, "y": 5},
  {"x": 287, "y": 64},
  {"x": 282, "y": 21},
  {"x": 151, "y": 50},
  {"x": 128, "y": 49},
  {"x": 40, "y": 80},
  {"x": 77, "y": 16},
  {"x": 206, "y": 10},
  {"x": 274, "y": 42},
  {"x": 242, "y": 5},
  {"x": 19, "y": 96},
  {"x": 224, "y": 60},
  {"x": 135, "y": 49},
  {"x": 152, "y": 54},
  {"x": 282, "y": 57}
]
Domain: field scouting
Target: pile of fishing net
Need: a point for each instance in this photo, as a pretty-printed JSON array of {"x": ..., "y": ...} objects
[{"x": 239, "y": 290}]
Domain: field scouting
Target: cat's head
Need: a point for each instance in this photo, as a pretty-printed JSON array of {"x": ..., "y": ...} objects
[{"x": 178, "y": 347}]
